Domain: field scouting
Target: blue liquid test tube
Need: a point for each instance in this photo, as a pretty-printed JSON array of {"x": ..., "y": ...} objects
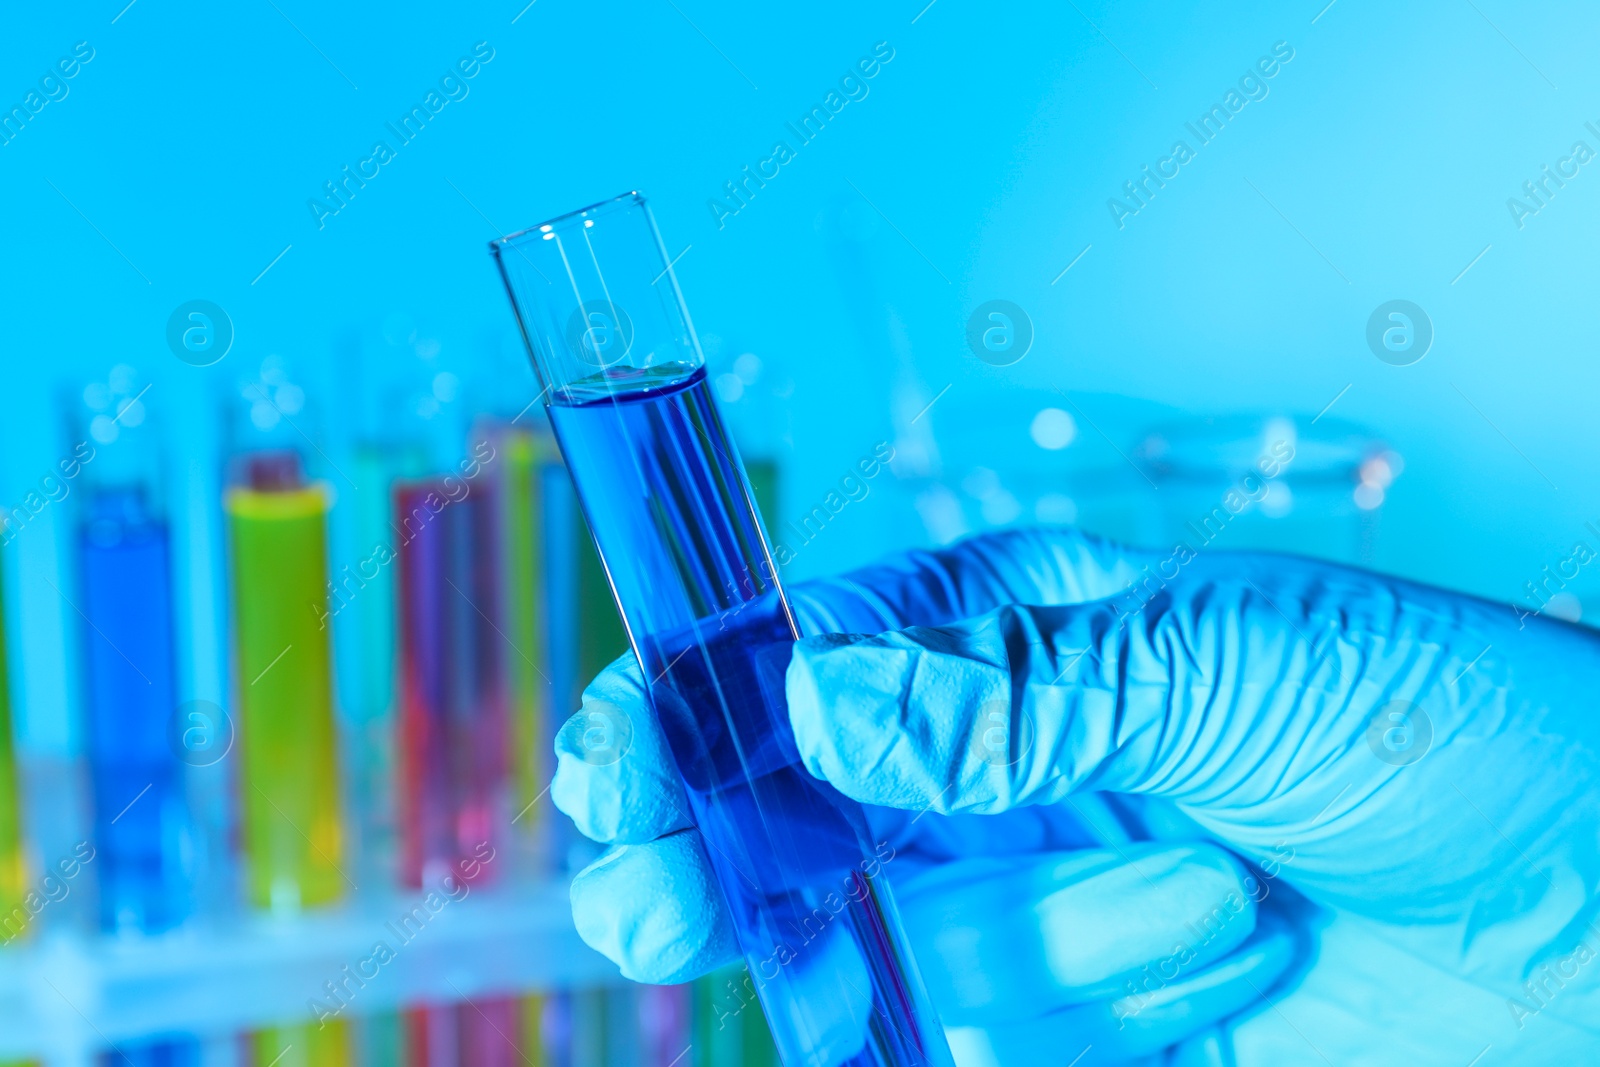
[
  {"x": 676, "y": 524},
  {"x": 129, "y": 660}
]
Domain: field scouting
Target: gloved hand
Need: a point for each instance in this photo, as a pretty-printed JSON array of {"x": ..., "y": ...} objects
[{"x": 1133, "y": 794}]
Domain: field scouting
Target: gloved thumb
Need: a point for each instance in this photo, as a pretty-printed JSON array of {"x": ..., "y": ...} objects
[{"x": 971, "y": 717}]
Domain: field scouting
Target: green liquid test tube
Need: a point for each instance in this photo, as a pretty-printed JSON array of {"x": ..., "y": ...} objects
[
  {"x": 523, "y": 454},
  {"x": 289, "y": 783},
  {"x": 13, "y": 864},
  {"x": 601, "y": 636},
  {"x": 728, "y": 1027}
]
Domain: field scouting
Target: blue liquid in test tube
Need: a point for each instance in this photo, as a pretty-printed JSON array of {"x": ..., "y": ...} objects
[
  {"x": 129, "y": 664},
  {"x": 675, "y": 521}
]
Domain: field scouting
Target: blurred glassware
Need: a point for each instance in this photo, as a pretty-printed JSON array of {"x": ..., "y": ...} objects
[
  {"x": 290, "y": 783},
  {"x": 1029, "y": 456},
  {"x": 14, "y": 915},
  {"x": 1315, "y": 487},
  {"x": 452, "y": 707},
  {"x": 136, "y": 732},
  {"x": 1276, "y": 482},
  {"x": 520, "y": 456}
]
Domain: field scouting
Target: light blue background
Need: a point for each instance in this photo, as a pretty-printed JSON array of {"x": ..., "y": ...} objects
[{"x": 193, "y": 140}]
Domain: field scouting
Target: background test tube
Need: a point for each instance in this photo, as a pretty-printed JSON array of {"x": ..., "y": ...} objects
[
  {"x": 289, "y": 783},
  {"x": 363, "y": 598},
  {"x": 129, "y": 660},
  {"x": 665, "y": 1025},
  {"x": 521, "y": 500},
  {"x": 539, "y": 1033},
  {"x": 452, "y": 750},
  {"x": 324, "y": 1044},
  {"x": 488, "y": 1034},
  {"x": 183, "y": 1052},
  {"x": 13, "y": 864},
  {"x": 728, "y": 1027}
]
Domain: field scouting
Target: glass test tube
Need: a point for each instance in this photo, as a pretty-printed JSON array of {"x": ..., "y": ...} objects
[
  {"x": 675, "y": 522},
  {"x": 728, "y": 1027},
  {"x": 13, "y": 863},
  {"x": 135, "y": 743},
  {"x": 522, "y": 452},
  {"x": 665, "y": 1025},
  {"x": 430, "y": 1035},
  {"x": 125, "y": 558},
  {"x": 380, "y": 1039},
  {"x": 451, "y": 723},
  {"x": 324, "y": 1044},
  {"x": 487, "y": 1032},
  {"x": 545, "y": 1023},
  {"x": 289, "y": 783},
  {"x": 182, "y": 1052}
]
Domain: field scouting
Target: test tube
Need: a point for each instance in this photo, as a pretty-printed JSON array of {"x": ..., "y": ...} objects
[
  {"x": 430, "y": 1036},
  {"x": 487, "y": 1032},
  {"x": 181, "y": 1052},
  {"x": 604, "y": 1027},
  {"x": 365, "y": 590},
  {"x": 665, "y": 1025},
  {"x": 289, "y": 781},
  {"x": 523, "y": 453},
  {"x": 601, "y": 636},
  {"x": 451, "y": 726},
  {"x": 728, "y": 1028},
  {"x": 324, "y": 1044},
  {"x": 13, "y": 864},
  {"x": 380, "y": 1039},
  {"x": 674, "y": 518},
  {"x": 125, "y": 559},
  {"x": 547, "y": 1024}
]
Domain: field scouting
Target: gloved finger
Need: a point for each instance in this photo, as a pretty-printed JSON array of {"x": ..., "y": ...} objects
[
  {"x": 614, "y": 772},
  {"x": 655, "y": 910},
  {"x": 1008, "y": 939},
  {"x": 1156, "y": 1016},
  {"x": 1038, "y": 565},
  {"x": 1209, "y": 694},
  {"x": 615, "y": 776},
  {"x": 1010, "y": 708},
  {"x": 1307, "y": 714}
]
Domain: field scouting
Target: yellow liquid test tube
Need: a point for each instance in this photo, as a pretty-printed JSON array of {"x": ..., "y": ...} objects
[
  {"x": 13, "y": 863},
  {"x": 289, "y": 782},
  {"x": 532, "y": 1047},
  {"x": 325, "y": 1044}
]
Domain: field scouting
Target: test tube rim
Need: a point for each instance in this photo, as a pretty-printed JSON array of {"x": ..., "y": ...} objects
[{"x": 632, "y": 196}]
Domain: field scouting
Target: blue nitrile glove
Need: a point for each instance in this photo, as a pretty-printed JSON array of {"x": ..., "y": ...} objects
[{"x": 1355, "y": 817}]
